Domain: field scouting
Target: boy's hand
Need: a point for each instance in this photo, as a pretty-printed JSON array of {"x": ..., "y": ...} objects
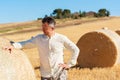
[
  {"x": 8, "y": 48},
  {"x": 64, "y": 66}
]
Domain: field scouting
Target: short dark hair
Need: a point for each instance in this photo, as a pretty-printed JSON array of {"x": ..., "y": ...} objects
[{"x": 49, "y": 20}]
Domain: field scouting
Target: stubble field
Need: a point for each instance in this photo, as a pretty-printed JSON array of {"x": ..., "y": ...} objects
[{"x": 74, "y": 32}]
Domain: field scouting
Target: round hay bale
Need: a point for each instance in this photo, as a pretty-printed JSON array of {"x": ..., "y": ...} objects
[
  {"x": 118, "y": 32},
  {"x": 14, "y": 66},
  {"x": 99, "y": 48}
]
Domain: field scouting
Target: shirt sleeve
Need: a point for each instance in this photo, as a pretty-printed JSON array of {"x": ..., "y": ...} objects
[
  {"x": 25, "y": 44},
  {"x": 74, "y": 49}
]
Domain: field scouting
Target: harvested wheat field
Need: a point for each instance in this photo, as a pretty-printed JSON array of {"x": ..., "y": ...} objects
[{"x": 74, "y": 32}]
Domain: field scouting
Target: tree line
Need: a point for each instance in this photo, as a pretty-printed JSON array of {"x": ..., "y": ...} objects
[{"x": 66, "y": 13}]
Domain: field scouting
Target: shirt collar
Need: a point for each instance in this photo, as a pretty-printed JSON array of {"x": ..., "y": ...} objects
[{"x": 45, "y": 36}]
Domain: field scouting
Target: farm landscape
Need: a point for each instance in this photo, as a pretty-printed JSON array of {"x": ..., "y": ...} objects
[{"x": 74, "y": 30}]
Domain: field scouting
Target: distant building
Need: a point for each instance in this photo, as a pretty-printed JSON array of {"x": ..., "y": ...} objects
[
  {"x": 90, "y": 14},
  {"x": 75, "y": 15}
]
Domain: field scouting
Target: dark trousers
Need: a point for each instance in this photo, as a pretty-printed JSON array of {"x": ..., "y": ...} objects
[
  {"x": 44, "y": 78},
  {"x": 50, "y": 78}
]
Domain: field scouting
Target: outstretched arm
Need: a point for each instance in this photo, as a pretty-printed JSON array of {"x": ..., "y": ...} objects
[
  {"x": 19, "y": 45},
  {"x": 25, "y": 44}
]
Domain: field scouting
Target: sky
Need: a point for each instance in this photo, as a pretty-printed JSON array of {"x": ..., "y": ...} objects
[{"x": 29, "y": 10}]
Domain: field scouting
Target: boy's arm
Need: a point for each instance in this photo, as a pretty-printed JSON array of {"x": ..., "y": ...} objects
[
  {"x": 19, "y": 45},
  {"x": 74, "y": 49},
  {"x": 24, "y": 44}
]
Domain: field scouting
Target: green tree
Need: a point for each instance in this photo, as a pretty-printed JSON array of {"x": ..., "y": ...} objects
[
  {"x": 83, "y": 14},
  {"x": 46, "y": 15},
  {"x": 103, "y": 13},
  {"x": 80, "y": 13},
  {"x": 108, "y": 13},
  {"x": 39, "y": 18},
  {"x": 58, "y": 13},
  {"x": 66, "y": 13}
]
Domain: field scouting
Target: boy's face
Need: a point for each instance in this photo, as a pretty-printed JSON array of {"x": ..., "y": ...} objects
[{"x": 46, "y": 28}]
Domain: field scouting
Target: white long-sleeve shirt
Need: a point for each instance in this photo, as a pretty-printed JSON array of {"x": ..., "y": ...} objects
[{"x": 51, "y": 51}]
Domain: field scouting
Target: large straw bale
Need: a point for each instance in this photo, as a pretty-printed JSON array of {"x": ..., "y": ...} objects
[
  {"x": 118, "y": 32},
  {"x": 99, "y": 48},
  {"x": 14, "y": 66}
]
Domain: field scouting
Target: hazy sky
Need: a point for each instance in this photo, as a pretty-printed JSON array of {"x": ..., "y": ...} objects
[{"x": 27, "y": 10}]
